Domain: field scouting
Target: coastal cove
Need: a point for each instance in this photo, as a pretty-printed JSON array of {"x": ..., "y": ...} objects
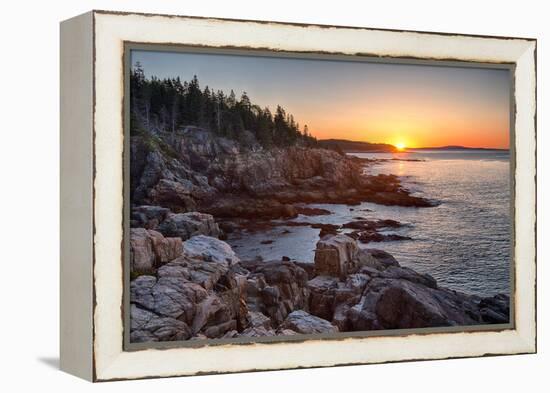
[{"x": 468, "y": 231}]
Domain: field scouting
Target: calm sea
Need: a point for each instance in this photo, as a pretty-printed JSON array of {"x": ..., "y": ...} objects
[{"x": 464, "y": 242}]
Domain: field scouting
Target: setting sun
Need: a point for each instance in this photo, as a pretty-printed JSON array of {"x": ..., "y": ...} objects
[{"x": 400, "y": 146}]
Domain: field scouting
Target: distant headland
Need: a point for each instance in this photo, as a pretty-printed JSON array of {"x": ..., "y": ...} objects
[
  {"x": 456, "y": 147},
  {"x": 363, "y": 147}
]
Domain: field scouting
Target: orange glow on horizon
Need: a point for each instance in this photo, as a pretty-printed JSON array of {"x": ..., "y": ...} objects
[
  {"x": 427, "y": 126},
  {"x": 416, "y": 120}
]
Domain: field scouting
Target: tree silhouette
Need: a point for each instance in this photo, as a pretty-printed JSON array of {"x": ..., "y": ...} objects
[{"x": 168, "y": 105}]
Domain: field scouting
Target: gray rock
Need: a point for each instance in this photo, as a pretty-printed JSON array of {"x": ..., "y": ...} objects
[
  {"x": 148, "y": 216},
  {"x": 257, "y": 319},
  {"x": 409, "y": 275},
  {"x": 322, "y": 296},
  {"x": 276, "y": 288},
  {"x": 286, "y": 332},
  {"x": 330, "y": 293},
  {"x": 168, "y": 296},
  {"x": 187, "y": 225},
  {"x": 258, "y": 331},
  {"x": 376, "y": 259},
  {"x": 304, "y": 323},
  {"x": 399, "y": 303},
  {"x": 210, "y": 249},
  {"x": 147, "y": 326},
  {"x": 176, "y": 194}
]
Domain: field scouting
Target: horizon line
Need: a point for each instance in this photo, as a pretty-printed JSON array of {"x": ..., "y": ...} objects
[{"x": 418, "y": 148}]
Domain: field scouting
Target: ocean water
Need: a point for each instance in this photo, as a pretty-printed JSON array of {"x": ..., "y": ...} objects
[{"x": 464, "y": 242}]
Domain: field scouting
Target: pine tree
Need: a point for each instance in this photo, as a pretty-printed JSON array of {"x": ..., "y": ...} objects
[{"x": 169, "y": 104}]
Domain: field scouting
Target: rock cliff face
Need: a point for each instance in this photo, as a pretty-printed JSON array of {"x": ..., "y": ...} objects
[
  {"x": 207, "y": 292},
  {"x": 194, "y": 170}
]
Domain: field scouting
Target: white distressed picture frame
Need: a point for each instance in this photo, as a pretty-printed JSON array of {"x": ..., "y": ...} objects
[{"x": 92, "y": 141}]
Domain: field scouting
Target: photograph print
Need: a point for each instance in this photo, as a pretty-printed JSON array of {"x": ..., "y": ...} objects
[{"x": 274, "y": 196}]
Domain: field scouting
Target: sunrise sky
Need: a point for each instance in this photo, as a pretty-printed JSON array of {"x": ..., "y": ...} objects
[{"x": 409, "y": 105}]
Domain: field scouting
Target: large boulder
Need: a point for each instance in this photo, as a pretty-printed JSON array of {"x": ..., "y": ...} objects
[
  {"x": 167, "y": 296},
  {"x": 187, "y": 225},
  {"x": 149, "y": 249},
  {"x": 304, "y": 323},
  {"x": 330, "y": 294},
  {"x": 377, "y": 259},
  {"x": 257, "y": 319},
  {"x": 276, "y": 288},
  {"x": 210, "y": 249},
  {"x": 335, "y": 255},
  {"x": 146, "y": 326},
  {"x": 322, "y": 296},
  {"x": 174, "y": 194},
  {"x": 408, "y": 302},
  {"x": 148, "y": 216}
]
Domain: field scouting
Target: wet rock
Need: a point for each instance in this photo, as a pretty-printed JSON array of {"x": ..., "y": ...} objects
[
  {"x": 376, "y": 259},
  {"x": 187, "y": 225},
  {"x": 370, "y": 225},
  {"x": 326, "y": 229},
  {"x": 334, "y": 255},
  {"x": 374, "y": 236},
  {"x": 405, "y": 273},
  {"x": 304, "y": 323},
  {"x": 311, "y": 211}
]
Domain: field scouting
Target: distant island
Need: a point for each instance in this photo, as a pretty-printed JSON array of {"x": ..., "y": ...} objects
[
  {"x": 455, "y": 147},
  {"x": 356, "y": 146}
]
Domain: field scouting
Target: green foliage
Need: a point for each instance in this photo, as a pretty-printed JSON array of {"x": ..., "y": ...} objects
[{"x": 168, "y": 105}]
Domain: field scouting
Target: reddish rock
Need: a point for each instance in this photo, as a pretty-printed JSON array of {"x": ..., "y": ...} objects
[
  {"x": 334, "y": 255},
  {"x": 149, "y": 249}
]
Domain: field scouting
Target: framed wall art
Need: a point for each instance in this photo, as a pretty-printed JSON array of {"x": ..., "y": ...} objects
[{"x": 245, "y": 195}]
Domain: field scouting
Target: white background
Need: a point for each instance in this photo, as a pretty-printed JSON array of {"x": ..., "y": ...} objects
[{"x": 29, "y": 197}]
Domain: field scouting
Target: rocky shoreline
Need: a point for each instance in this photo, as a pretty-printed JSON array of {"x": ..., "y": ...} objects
[
  {"x": 199, "y": 288},
  {"x": 190, "y": 189},
  {"x": 193, "y": 170}
]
